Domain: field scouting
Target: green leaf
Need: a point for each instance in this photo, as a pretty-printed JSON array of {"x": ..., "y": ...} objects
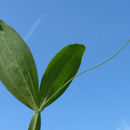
[
  {"x": 62, "y": 67},
  {"x": 17, "y": 67},
  {"x": 35, "y": 123}
]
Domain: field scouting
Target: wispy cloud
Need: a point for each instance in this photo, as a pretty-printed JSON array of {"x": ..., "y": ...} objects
[
  {"x": 124, "y": 126},
  {"x": 34, "y": 27}
]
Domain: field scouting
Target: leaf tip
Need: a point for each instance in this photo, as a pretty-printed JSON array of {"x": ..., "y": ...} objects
[
  {"x": 2, "y": 23},
  {"x": 1, "y": 28},
  {"x": 82, "y": 47}
]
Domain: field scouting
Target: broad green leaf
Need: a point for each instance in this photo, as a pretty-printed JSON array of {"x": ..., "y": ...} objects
[
  {"x": 35, "y": 123},
  {"x": 17, "y": 67},
  {"x": 62, "y": 67}
]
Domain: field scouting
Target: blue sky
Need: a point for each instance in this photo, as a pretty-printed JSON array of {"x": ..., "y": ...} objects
[{"x": 98, "y": 99}]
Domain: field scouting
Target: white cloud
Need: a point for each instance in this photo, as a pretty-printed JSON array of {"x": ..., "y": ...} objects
[
  {"x": 124, "y": 126},
  {"x": 34, "y": 27}
]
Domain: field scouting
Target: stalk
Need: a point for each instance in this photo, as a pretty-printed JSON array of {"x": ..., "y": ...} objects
[{"x": 35, "y": 123}]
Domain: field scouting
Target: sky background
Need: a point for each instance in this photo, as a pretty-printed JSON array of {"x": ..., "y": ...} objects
[{"x": 96, "y": 100}]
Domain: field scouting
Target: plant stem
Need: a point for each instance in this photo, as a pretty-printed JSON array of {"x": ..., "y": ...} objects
[{"x": 35, "y": 123}]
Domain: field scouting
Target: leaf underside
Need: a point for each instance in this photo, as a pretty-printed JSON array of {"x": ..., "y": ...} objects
[{"x": 17, "y": 67}]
